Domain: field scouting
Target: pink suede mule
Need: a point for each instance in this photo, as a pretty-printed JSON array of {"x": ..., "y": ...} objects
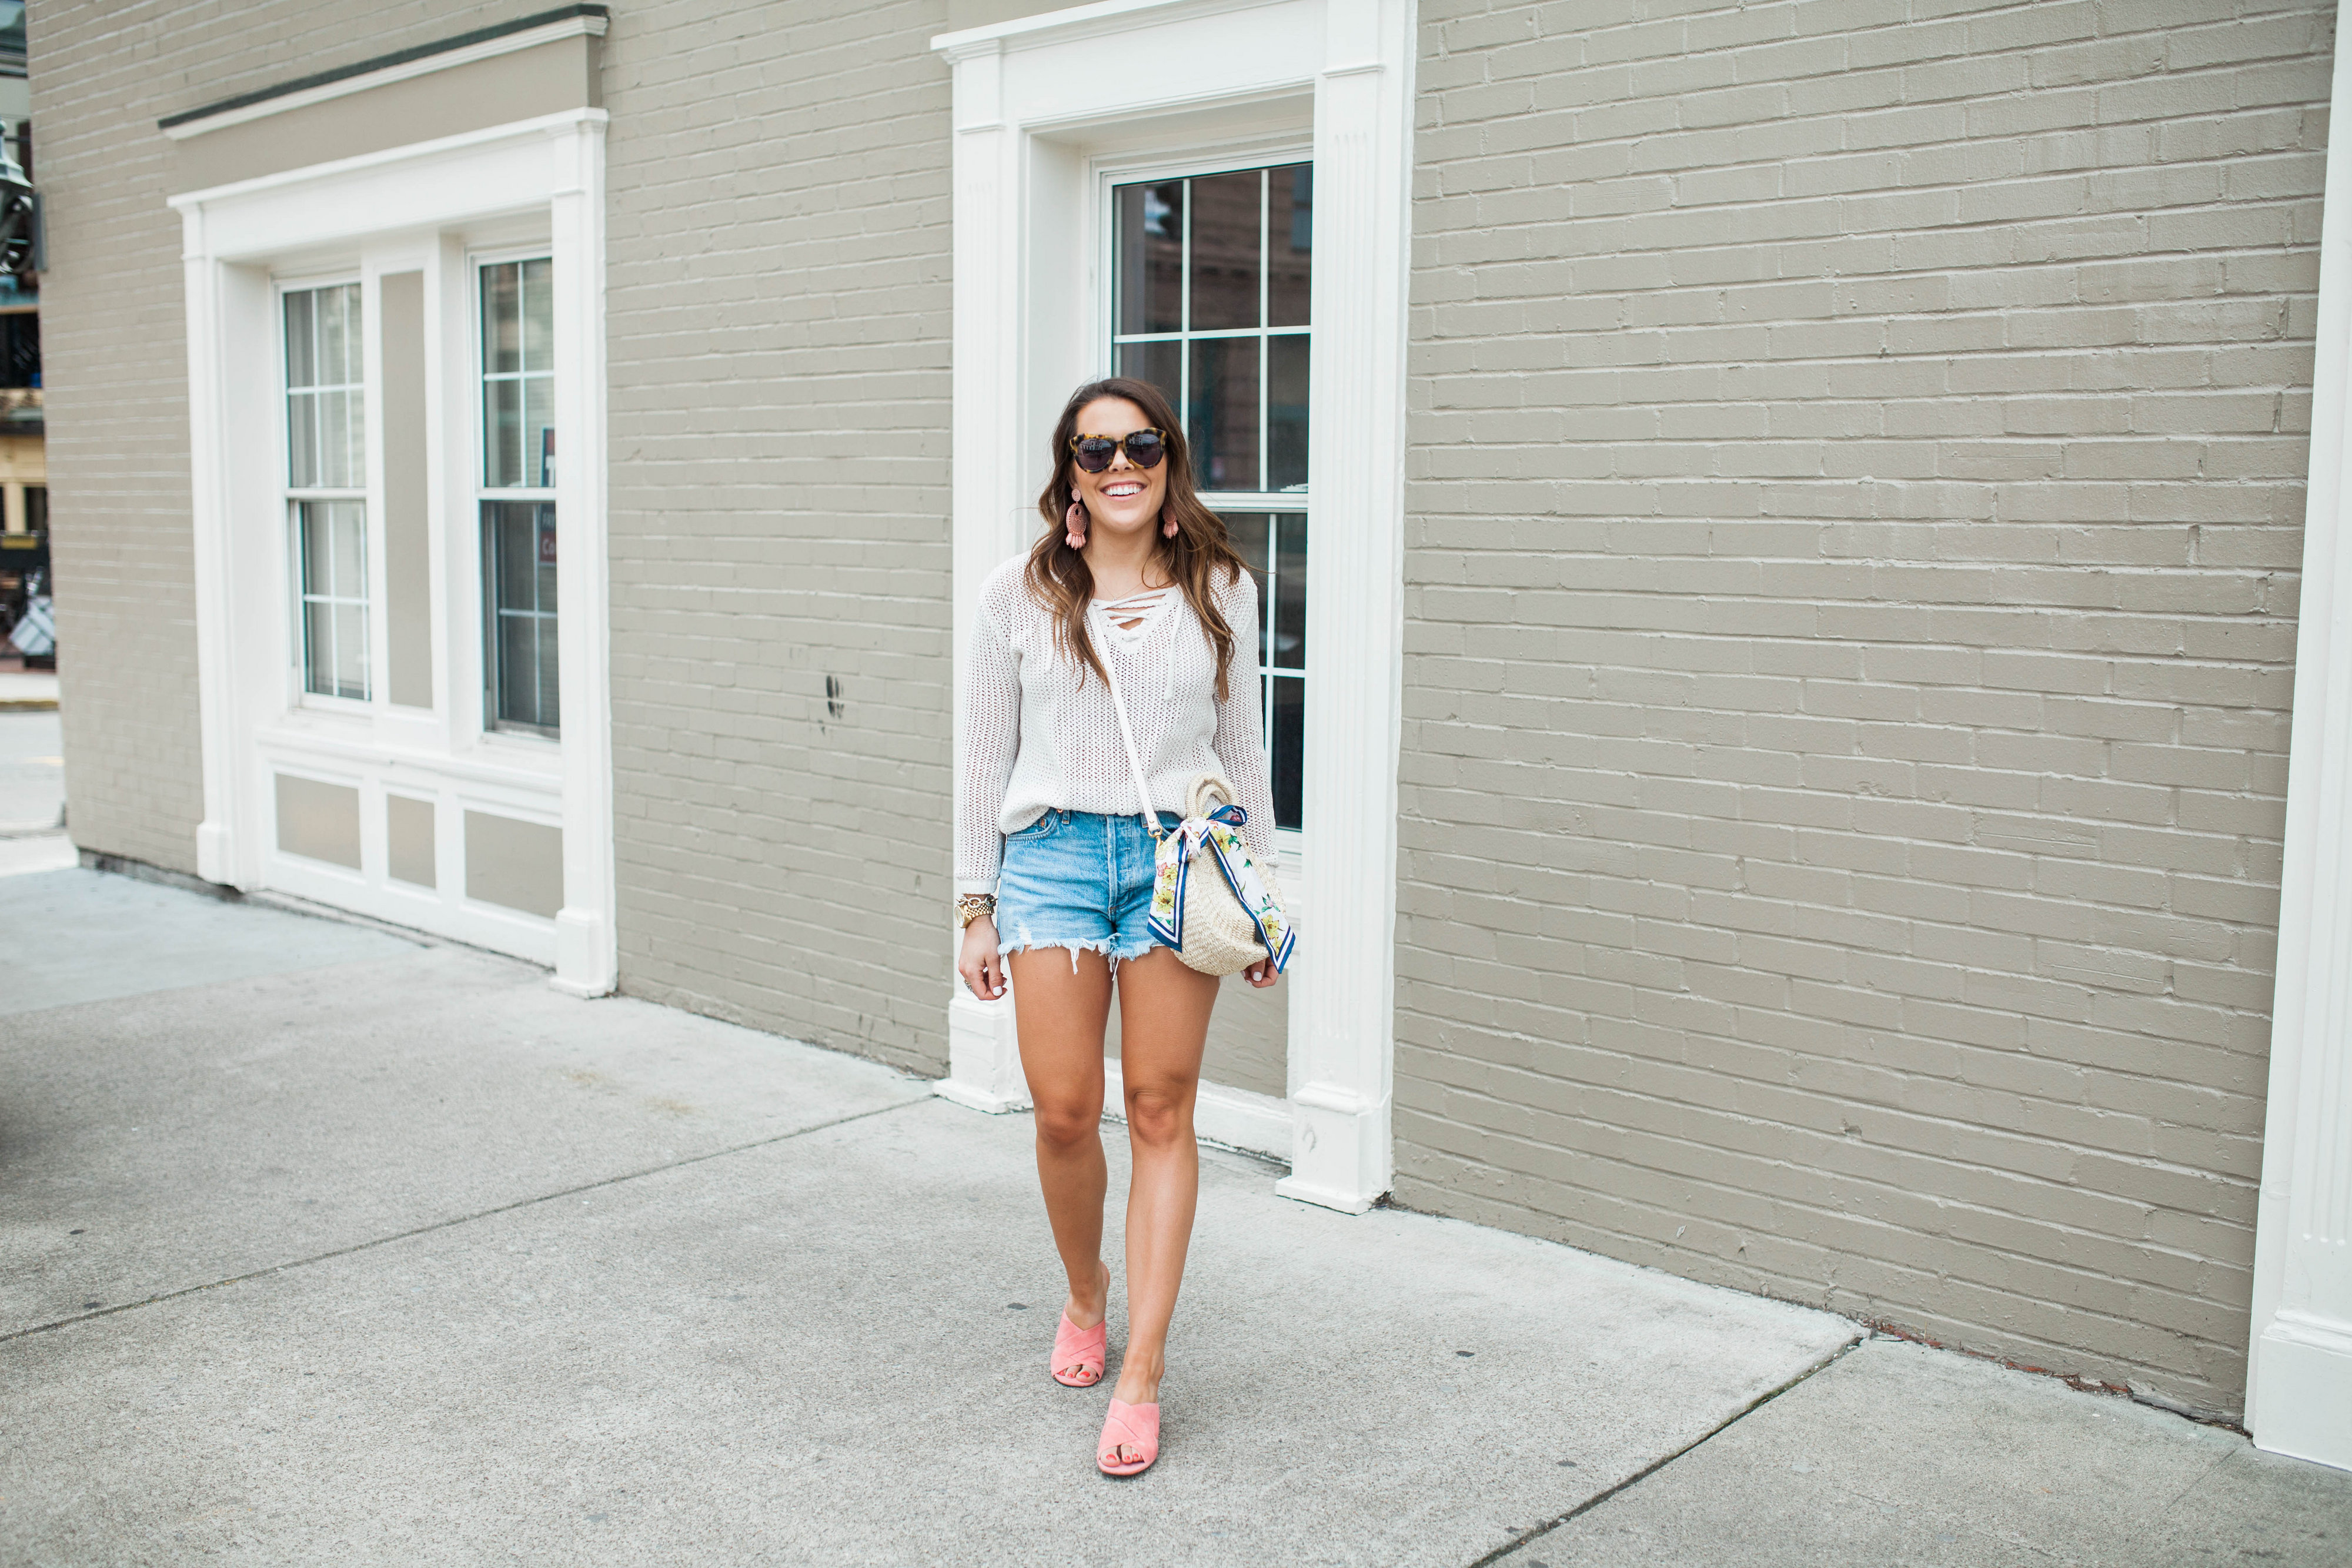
[
  {"x": 1129, "y": 1429},
  {"x": 1078, "y": 1353}
]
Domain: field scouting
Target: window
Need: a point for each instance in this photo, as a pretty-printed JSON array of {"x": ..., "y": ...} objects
[
  {"x": 326, "y": 479},
  {"x": 1211, "y": 277},
  {"x": 519, "y": 652}
]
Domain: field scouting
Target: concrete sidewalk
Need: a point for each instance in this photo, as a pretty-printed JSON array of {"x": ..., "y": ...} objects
[{"x": 320, "y": 1244}]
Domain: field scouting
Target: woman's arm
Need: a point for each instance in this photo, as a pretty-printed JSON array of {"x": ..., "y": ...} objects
[
  {"x": 1239, "y": 752},
  {"x": 991, "y": 722}
]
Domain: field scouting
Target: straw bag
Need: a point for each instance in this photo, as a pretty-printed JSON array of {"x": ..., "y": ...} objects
[{"x": 1211, "y": 900}]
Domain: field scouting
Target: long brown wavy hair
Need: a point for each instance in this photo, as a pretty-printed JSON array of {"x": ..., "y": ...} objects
[{"x": 1200, "y": 560}]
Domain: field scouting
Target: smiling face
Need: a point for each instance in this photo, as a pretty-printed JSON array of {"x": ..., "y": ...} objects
[{"x": 1122, "y": 497}]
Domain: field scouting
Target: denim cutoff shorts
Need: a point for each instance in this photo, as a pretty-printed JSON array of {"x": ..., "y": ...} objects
[{"x": 1078, "y": 880}]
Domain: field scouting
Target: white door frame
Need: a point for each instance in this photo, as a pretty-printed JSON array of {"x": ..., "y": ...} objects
[
  {"x": 401, "y": 206},
  {"x": 2299, "y": 1373},
  {"x": 1035, "y": 100}
]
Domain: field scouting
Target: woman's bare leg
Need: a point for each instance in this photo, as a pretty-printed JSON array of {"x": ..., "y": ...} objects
[
  {"x": 1163, "y": 1017},
  {"x": 1062, "y": 1011}
]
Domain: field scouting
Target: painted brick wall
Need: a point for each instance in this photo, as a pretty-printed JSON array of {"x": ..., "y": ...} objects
[
  {"x": 1856, "y": 498},
  {"x": 779, "y": 329},
  {"x": 114, "y": 364}
]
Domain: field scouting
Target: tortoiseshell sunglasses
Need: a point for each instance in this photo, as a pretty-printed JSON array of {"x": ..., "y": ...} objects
[{"x": 1145, "y": 448}]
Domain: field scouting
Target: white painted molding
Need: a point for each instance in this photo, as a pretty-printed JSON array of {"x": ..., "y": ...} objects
[
  {"x": 983, "y": 1057},
  {"x": 587, "y": 935},
  {"x": 406, "y": 71},
  {"x": 2299, "y": 1382},
  {"x": 1033, "y": 101},
  {"x": 406, "y": 208},
  {"x": 1343, "y": 1012}
]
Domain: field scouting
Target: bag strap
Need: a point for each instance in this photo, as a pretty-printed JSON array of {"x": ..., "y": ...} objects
[{"x": 1134, "y": 758}]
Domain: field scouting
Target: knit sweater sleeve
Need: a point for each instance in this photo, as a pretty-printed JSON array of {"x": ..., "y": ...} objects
[
  {"x": 990, "y": 720},
  {"x": 1240, "y": 753}
]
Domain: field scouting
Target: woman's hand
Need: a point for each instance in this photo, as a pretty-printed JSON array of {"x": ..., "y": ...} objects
[
  {"x": 1262, "y": 974},
  {"x": 979, "y": 962}
]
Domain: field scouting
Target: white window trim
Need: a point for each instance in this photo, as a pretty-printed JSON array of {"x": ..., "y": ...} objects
[
  {"x": 2299, "y": 1373},
  {"x": 1037, "y": 104},
  {"x": 547, "y": 172}
]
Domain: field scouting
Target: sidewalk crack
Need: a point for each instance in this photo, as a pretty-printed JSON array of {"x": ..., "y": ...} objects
[
  {"x": 1536, "y": 1532},
  {"x": 456, "y": 1220}
]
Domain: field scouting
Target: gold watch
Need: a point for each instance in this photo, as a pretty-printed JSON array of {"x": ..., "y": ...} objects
[{"x": 971, "y": 906}]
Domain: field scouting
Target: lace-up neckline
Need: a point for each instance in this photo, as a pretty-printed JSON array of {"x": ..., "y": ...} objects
[{"x": 1126, "y": 620}]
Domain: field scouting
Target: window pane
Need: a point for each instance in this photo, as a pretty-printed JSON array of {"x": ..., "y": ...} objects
[
  {"x": 1248, "y": 533},
  {"x": 347, "y": 548},
  {"x": 1285, "y": 413},
  {"x": 351, "y": 665},
  {"x": 302, "y": 440},
  {"x": 319, "y": 648},
  {"x": 318, "y": 549},
  {"x": 502, "y": 319},
  {"x": 1290, "y": 590},
  {"x": 325, "y": 435},
  {"x": 537, "y": 431},
  {"x": 538, "y": 315},
  {"x": 339, "y": 432},
  {"x": 339, "y": 335},
  {"x": 1150, "y": 272},
  {"x": 301, "y": 352},
  {"x": 1288, "y": 749},
  {"x": 1290, "y": 236},
  {"x": 1222, "y": 421},
  {"x": 346, "y": 523},
  {"x": 518, "y": 559},
  {"x": 331, "y": 537},
  {"x": 1161, "y": 364},
  {"x": 1227, "y": 212},
  {"x": 518, "y": 587},
  {"x": 502, "y": 433}
]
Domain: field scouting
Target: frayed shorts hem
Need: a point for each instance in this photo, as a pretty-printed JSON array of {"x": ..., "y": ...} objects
[{"x": 1117, "y": 949}]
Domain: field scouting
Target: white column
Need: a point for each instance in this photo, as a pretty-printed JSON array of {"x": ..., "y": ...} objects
[
  {"x": 211, "y": 514},
  {"x": 2299, "y": 1384},
  {"x": 587, "y": 958},
  {"x": 983, "y": 1055},
  {"x": 1342, "y": 1003}
]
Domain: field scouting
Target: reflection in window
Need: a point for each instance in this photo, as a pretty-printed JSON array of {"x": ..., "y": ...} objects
[
  {"x": 326, "y": 482},
  {"x": 519, "y": 592},
  {"x": 518, "y": 375},
  {"x": 326, "y": 415},
  {"x": 1210, "y": 280},
  {"x": 519, "y": 630},
  {"x": 1274, "y": 544},
  {"x": 333, "y": 542}
]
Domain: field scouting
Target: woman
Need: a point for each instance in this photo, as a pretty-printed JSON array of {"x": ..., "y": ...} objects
[{"x": 1135, "y": 574}]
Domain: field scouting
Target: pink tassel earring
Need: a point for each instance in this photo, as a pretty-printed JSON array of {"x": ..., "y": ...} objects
[
  {"x": 1075, "y": 520},
  {"x": 1167, "y": 523}
]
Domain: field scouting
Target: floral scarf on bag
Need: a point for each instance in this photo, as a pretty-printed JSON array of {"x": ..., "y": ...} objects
[{"x": 1184, "y": 849}]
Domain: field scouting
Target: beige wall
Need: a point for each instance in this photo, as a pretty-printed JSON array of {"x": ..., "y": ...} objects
[
  {"x": 1856, "y": 479},
  {"x": 113, "y": 334},
  {"x": 778, "y": 313}
]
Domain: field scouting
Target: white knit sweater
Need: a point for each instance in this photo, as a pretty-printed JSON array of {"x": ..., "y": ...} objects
[{"x": 1037, "y": 739}]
